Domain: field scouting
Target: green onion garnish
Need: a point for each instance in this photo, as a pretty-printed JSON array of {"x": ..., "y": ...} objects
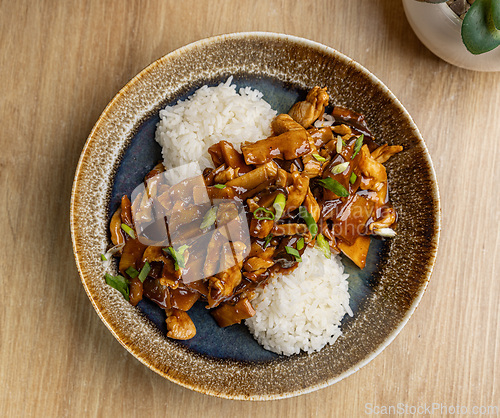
[
  {"x": 263, "y": 217},
  {"x": 308, "y": 218},
  {"x": 353, "y": 178},
  {"x": 324, "y": 246},
  {"x": 119, "y": 283},
  {"x": 178, "y": 256},
  {"x": 268, "y": 240},
  {"x": 128, "y": 230},
  {"x": 319, "y": 158},
  {"x": 334, "y": 186},
  {"x": 103, "y": 257},
  {"x": 132, "y": 272},
  {"x": 279, "y": 205},
  {"x": 339, "y": 145},
  {"x": 144, "y": 272},
  {"x": 358, "y": 145},
  {"x": 300, "y": 243},
  {"x": 219, "y": 186},
  {"x": 294, "y": 252},
  {"x": 339, "y": 168},
  {"x": 209, "y": 218}
]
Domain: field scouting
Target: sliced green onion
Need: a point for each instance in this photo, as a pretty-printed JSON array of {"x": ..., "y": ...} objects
[
  {"x": 261, "y": 217},
  {"x": 324, "y": 246},
  {"x": 279, "y": 205},
  {"x": 358, "y": 145},
  {"x": 300, "y": 243},
  {"x": 128, "y": 230},
  {"x": 103, "y": 257},
  {"x": 353, "y": 178},
  {"x": 132, "y": 272},
  {"x": 178, "y": 256},
  {"x": 119, "y": 283},
  {"x": 334, "y": 186},
  {"x": 268, "y": 240},
  {"x": 339, "y": 145},
  {"x": 209, "y": 218},
  {"x": 144, "y": 272},
  {"x": 310, "y": 222},
  {"x": 219, "y": 186},
  {"x": 319, "y": 158},
  {"x": 339, "y": 168},
  {"x": 385, "y": 232},
  {"x": 294, "y": 252}
]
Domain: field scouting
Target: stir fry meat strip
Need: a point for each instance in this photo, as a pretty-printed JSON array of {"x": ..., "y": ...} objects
[{"x": 301, "y": 182}]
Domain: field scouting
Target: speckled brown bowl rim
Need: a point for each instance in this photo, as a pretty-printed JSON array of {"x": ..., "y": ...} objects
[{"x": 107, "y": 304}]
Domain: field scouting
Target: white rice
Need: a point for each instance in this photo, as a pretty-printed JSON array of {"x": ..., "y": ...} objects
[
  {"x": 297, "y": 311},
  {"x": 210, "y": 115},
  {"x": 302, "y": 310}
]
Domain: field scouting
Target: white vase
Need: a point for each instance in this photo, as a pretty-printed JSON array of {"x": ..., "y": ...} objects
[{"x": 439, "y": 29}]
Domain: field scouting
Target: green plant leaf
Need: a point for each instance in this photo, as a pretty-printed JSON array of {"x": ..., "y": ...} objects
[
  {"x": 495, "y": 13},
  {"x": 479, "y": 33}
]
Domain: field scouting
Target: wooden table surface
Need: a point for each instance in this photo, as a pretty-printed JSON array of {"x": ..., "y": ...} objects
[{"x": 62, "y": 62}]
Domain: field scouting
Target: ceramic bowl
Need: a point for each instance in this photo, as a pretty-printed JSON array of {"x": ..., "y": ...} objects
[{"x": 228, "y": 362}]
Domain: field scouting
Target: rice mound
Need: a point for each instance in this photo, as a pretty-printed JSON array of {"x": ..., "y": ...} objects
[
  {"x": 302, "y": 310},
  {"x": 187, "y": 129}
]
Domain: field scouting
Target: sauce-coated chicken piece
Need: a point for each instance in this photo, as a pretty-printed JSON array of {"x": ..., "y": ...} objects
[
  {"x": 312, "y": 108},
  {"x": 179, "y": 325}
]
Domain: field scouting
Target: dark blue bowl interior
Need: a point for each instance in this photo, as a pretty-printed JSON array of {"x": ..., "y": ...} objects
[{"x": 234, "y": 342}]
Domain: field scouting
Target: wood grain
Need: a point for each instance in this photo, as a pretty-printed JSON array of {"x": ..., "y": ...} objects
[{"x": 61, "y": 63}]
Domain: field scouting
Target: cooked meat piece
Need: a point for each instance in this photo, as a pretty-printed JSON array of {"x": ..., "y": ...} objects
[
  {"x": 342, "y": 130},
  {"x": 154, "y": 253},
  {"x": 179, "y": 325},
  {"x": 296, "y": 192},
  {"x": 312, "y": 108},
  {"x": 312, "y": 167},
  {"x": 225, "y": 175},
  {"x": 233, "y": 158},
  {"x": 384, "y": 152},
  {"x": 386, "y": 220},
  {"x": 260, "y": 228},
  {"x": 288, "y": 145},
  {"x": 211, "y": 264},
  {"x": 254, "y": 178},
  {"x": 227, "y": 314},
  {"x": 222, "y": 284},
  {"x": 284, "y": 123},
  {"x": 256, "y": 263},
  {"x": 321, "y": 136},
  {"x": 312, "y": 205},
  {"x": 374, "y": 173}
]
